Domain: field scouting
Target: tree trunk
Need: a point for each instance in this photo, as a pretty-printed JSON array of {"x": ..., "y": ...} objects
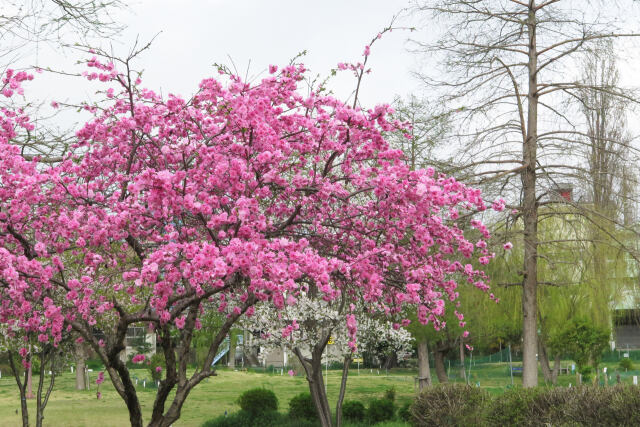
[
  {"x": 343, "y": 389},
  {"x": 424, "y": 372},
  {"x": 29, "y": 394},
  {"x": 80, "y": 367},
  {"x": 441, "y": 372},
  {"x": 530, "y": 214},
  {"x": 313, "y": 370},
  {"x": 22, "y": 386},
  {"x": 41, "y": 403},
  {"x": 316, "y": 387},
  {"x": 80, "y": 374},
  {"x": 463, "y": 371},
  {"x": 544, "y": 363},
  {"x": 556, "y": 369}
]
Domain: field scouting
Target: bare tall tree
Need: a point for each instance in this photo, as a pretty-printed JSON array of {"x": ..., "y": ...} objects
[
  {"x": 507, "y": 68},
  {"x": 609, "y": 168}
]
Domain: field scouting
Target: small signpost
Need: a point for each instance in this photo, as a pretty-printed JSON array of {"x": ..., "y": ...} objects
[{"x": 358, "y": 360}]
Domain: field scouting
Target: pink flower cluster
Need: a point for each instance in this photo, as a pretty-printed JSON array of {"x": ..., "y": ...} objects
[
  {"x": 138, "y": 358},
  {"x": 241, "y": 193}
]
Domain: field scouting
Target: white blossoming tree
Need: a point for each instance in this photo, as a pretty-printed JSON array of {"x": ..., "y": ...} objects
[{"x": 307, "y": 324}]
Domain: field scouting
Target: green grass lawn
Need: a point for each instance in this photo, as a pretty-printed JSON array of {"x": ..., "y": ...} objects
[{"x": 69, "y": 407}]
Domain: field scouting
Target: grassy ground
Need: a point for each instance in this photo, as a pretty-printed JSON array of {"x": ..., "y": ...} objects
[{"x": 68, "y": 407}]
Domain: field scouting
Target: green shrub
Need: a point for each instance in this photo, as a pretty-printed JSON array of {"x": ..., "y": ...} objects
[
  {"x": 156, "y": 361},
  {"x": 584, "y": 405},
  {"x": 586, "y": 372},
  {"x": 626, "y": 364},
  {"x": 353, "y": 410},
  {"x": 390, "y": 394},
  {"x": 604, "y": 406},
  {"x": 258, "y": 401},
  {"x": 245, "y": 419},
  {"x": 514, "y": 407},
  {"x": 404, "y": 413},
  {"x": 449, "y": 404},
  {"x": 380, "y": 410},
  {"x": 301, "y": 406}
]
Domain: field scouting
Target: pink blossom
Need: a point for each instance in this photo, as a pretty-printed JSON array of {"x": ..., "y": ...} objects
[
  {"x": 507, "y": 246},
  {"x": 180, "y": 322},
  {"x": 100, "y": 378},
  {"x": 237, "y": 194},
  {"x": 138, "y": 358}
]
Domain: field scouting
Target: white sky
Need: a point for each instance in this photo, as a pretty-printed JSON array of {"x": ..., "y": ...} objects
[{"x": 194, "y": 34}]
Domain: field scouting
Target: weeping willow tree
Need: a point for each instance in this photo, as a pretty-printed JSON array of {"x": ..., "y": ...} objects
[{"x": 571, "y": 287}]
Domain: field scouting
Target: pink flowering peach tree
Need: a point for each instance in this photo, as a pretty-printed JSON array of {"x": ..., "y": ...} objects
[{"x": 241, "y": 193}]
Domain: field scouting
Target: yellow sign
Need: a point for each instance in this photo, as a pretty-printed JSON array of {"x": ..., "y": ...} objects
[
  {"x": 358, "y": 360},
  {"x": 331, "y": 341}
]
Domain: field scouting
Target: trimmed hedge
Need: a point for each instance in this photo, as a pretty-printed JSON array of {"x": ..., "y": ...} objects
[
  {"x": 450, "y": 405},
  {"x": 585, "y": 405}
]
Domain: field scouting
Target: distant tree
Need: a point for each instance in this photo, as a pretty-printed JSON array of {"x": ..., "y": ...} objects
[
  {"x": 506, "y": 76},
  {"x": 585, "y": 342}
]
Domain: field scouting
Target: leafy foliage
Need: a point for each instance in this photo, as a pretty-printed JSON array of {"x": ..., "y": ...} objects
[
  {"x": 353, "y": 410},
  {"x": 449, "y": 404},
  {"x": 156, "y": 366},
  {"x": 380, "y": 410},
  {"x": 258, "y": 401},
  {"x": 585, "y": 342},
  {"x": 302, "y": 406},
  {"x": 584, "y": 405},
  {"x": 626, "y": 364}
]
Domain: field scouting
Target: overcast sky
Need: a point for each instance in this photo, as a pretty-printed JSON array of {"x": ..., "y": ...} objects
[{"x": 192, "y": 35}]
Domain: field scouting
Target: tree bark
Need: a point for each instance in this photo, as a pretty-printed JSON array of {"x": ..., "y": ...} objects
[
  {"x": 343, "y": 389},
  {"x": 22, "y": 387},
  {"x": 544, "y": 363},
  {"x": 29, "y": 393},
  {"x": 313, "y": 370},
  {"x": 80, "y": 367},
  {"x": 463, "y": 371},
  {"x": 41, "y": 403},
  {"x": 441, "y": 371},
  {"x": 530, "y": 214},
  {"x": 80, "y": 374},
  {"x": 556, "y": 369},
  {"x": 424, "y": 371}
]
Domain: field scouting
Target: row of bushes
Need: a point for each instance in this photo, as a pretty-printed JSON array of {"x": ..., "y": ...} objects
[
  {"x": 461, "y": 405},
  {"x": 259, "y": 406}
]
